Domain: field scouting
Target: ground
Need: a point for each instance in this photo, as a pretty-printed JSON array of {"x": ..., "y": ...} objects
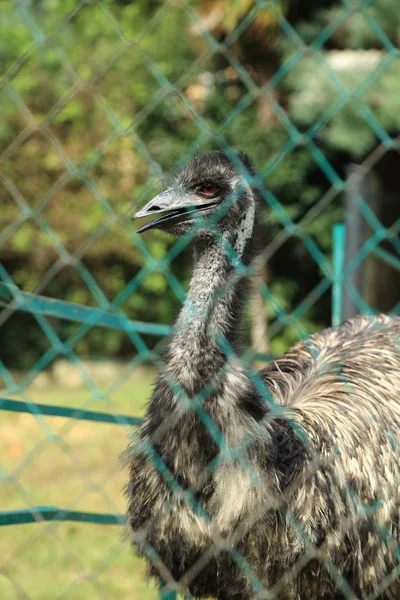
[{"x": 71, "y": 464}]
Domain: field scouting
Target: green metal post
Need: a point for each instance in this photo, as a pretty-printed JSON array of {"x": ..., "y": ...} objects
[
  {"x": 166, "y": 594},
  {"x": 339, "y": 245}
]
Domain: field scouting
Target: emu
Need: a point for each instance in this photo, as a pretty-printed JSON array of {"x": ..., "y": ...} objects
[{"x": 280, "y": 485}]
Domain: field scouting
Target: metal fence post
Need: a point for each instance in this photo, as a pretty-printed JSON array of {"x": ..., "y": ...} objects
[
  {"x": 166, "y": 594},
  {"x": 364, "y": 185},
  {"x": 338, "y": 251},
  {"x": 355, "y": 233}
]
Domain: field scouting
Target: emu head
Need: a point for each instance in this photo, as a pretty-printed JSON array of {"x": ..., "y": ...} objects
[{"x": 211, "y": 193}]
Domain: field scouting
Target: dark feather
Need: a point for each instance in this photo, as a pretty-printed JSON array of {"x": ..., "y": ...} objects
[{"x": 310, "y": 496}]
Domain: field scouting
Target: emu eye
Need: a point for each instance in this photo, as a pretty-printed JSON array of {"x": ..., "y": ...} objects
[{"x": 209, "y": 189}]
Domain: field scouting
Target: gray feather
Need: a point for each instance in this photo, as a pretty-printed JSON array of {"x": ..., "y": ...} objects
[{"x": 311, "y": 499}]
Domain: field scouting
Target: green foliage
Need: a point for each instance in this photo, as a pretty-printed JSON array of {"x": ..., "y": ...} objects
[
  {"x": 119, "y": 98},
  {"x": 363, "y": 86}
]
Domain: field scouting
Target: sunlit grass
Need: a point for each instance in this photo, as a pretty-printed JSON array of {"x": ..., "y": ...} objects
[{"x": 74, "y": 464}]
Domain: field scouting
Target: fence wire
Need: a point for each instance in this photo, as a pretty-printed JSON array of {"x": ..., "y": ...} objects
[{"x": 312, "y": 96}]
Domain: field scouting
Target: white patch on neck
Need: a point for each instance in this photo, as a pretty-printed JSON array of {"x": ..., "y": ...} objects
[
  {"x": 245, "y": 230},
  {"x": 246, "y": 224}
]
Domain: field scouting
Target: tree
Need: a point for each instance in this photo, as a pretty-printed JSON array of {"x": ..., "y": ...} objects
[{"x": 124, "y": 91}]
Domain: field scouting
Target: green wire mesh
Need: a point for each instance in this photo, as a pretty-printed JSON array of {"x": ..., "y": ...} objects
[{"x": 39, "y": 33}]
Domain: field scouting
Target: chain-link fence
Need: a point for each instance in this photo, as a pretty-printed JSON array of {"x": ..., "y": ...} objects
[{"x": 100, "y": 100}]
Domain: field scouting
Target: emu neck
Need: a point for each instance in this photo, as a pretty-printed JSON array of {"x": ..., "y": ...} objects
[
  {"x": 215, "y": 298},
  {"x": 210, "y": 315}
]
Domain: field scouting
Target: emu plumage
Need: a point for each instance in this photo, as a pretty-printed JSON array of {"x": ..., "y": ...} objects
[{"x": 308, "y": 506}]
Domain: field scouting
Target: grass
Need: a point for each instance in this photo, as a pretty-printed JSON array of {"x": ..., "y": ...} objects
[{"x": 74, "y": 464}]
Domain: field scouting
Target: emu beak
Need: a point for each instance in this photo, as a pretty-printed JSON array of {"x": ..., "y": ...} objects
[
  {"x": 174, "y": 204},
  {"x": 169, "y": 202}
]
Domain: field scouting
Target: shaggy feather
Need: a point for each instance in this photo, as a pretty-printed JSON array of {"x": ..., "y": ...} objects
[{"x": 311, "y": 498}]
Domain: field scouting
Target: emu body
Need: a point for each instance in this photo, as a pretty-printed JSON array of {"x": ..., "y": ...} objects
[{"x": 291, "y": 487}]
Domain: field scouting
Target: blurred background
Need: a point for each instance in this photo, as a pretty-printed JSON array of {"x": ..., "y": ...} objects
[{"x": 100, "y": 101}]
